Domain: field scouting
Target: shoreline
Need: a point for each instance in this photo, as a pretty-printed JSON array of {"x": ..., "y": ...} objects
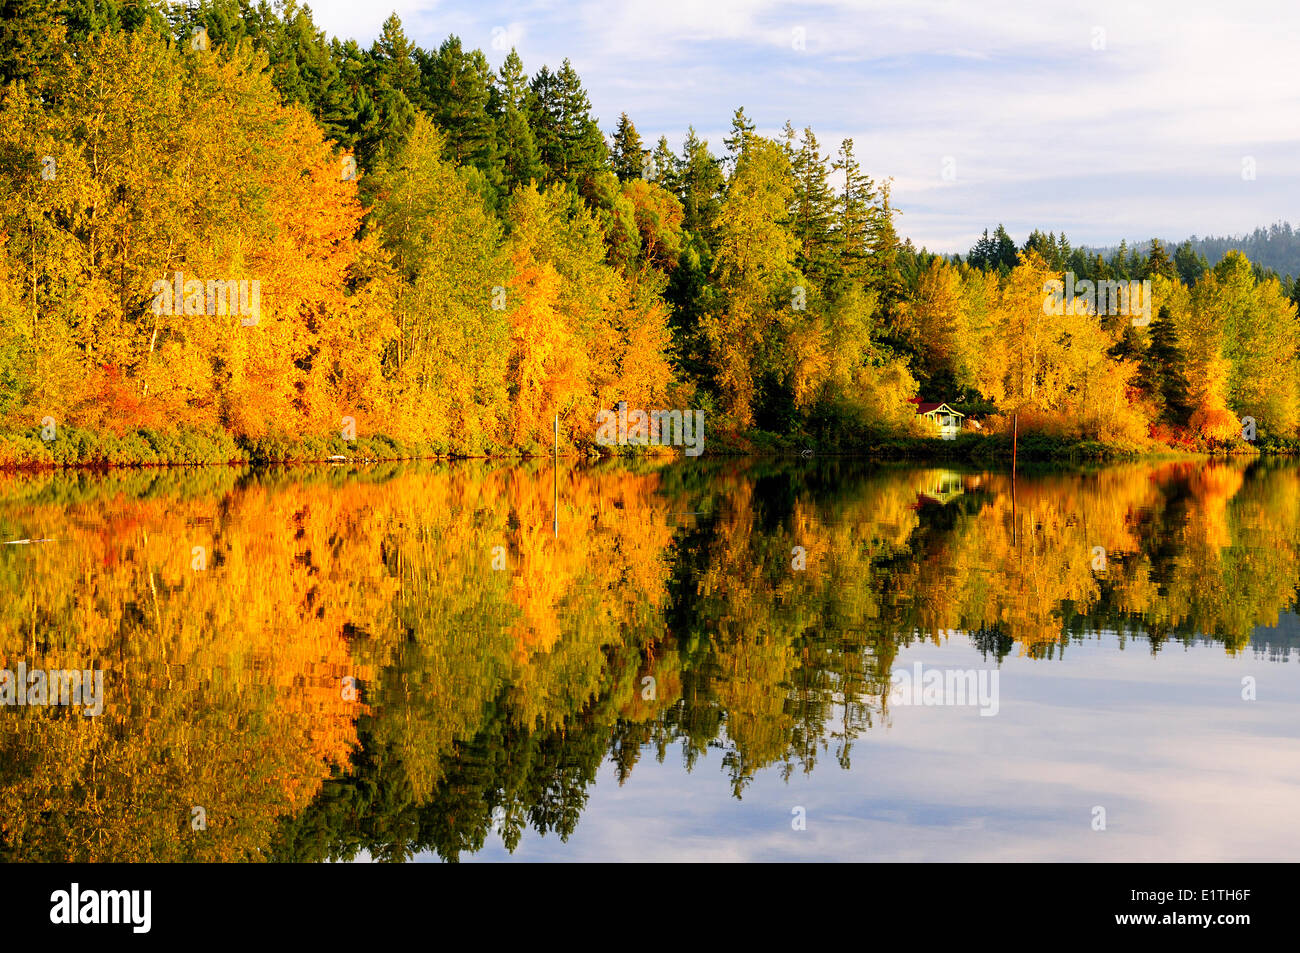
[{"x": 85, "y": 451}]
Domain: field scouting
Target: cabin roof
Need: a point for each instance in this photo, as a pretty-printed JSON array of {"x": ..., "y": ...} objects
[{"x": 927, "y": 407}]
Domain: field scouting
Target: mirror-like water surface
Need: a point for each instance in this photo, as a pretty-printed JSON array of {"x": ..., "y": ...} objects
[{"x": 686, "y": 661}]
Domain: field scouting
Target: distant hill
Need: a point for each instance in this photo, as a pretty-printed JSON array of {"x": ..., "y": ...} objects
[{"x": 1276, "y": 247}]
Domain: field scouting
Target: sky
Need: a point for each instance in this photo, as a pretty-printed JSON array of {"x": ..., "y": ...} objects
[{"x": 1110, "y": 120}]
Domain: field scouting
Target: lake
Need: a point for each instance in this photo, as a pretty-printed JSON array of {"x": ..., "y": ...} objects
[{"x": 702, "y": 659}]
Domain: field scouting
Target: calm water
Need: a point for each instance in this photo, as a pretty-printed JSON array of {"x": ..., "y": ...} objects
[{"x": 416, "y": 662}]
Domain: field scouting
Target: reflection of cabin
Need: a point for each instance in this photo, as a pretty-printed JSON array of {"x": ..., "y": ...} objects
[
  {"x": 941, "y": 486},
  {"x": 946, "y": 421}
]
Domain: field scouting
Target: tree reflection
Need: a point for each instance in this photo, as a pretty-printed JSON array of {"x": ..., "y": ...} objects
[{"x": 498, "y": 664}]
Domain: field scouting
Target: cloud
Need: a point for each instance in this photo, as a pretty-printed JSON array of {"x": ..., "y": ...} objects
[{"x": 1110, "y": 119}]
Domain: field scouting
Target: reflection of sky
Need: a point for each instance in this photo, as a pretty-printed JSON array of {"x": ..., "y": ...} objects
[{"x": 1185, "y": 769}]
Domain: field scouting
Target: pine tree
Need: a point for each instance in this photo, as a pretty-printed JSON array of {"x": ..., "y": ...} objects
[
  {"x": 457, "y": 90},
  {"x": 856, "y": 215},
  {"x": 742, "y": 130},
  {"x": 700, "y": 183},
  {"x": 886, "y": 279},
  {"x": 813, "y": 209},
  {"x": 1159, "y": 263},
  {"x": 1063, "y": 252},
  {"x": 586, "y": 155},
  {"x": 394, "y": 58},
  {"x": 86, "y": 18},
  {"x": 518, "y": 149},
  {"x": 1004, "y": 250},
  {"x": 303, "y": 68},
  {"x": 383, "y": 121},
  {"x": 546, "y": 119},
  {"x": 983, "y": 253},
  {"x": 569, "y": 142},
  {"x": 1120, "y": 263},
  {"x": 1190, "y": 263},
  {"x": 665, "y": 167},
  {"x": 1164, "y": 370},
  {"x": 627, "y": 155}
]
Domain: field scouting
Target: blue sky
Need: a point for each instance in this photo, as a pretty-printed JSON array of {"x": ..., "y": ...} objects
[{"x": 1108, "y": 119}]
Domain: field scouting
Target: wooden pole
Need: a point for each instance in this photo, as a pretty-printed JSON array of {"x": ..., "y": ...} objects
[
  {"x": 555, "y": 478},
  {"x": 1015, "y": 433}
]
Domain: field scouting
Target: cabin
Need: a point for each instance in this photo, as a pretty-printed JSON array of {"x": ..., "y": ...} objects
[{"x": 946, "y": 421}]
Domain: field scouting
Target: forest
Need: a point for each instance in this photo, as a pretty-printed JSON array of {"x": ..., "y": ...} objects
[
  {"x": 1276, "y": 248},
  {"x": 449, "y": 254}
]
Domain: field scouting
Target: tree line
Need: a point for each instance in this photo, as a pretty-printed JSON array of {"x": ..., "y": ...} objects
[
  {"x": 1275, "y": 250},
  {"x": 450, "y": 255}
]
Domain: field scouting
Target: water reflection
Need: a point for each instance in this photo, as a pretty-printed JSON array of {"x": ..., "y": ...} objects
[{"x": 402, "y": 660}]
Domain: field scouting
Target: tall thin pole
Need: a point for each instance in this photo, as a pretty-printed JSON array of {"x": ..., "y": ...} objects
[
  {"x": 1015, "y": 433},
  {"x": 555, "y": 478}
]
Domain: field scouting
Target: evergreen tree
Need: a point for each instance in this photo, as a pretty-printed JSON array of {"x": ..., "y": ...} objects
[
  {"x": 569, "y": 142},
  {"x": 1101, "y": 269},
  {"x": 1064, "y": 254},
  {"x": 85, "y": 18},
  {"x": 982, "y": 253},
  {"x": 457, "y": 90},
  {"x": 856, "y": 215},
  {"x": 627, "y": 155},
  {"x": 546, "y": 119},
  {"x": 1046, "y": 247},
  {"x": 1122, "y": 266},
  {"x": 700, "y": 183},
  {"x": 665, "y": 167},
  {"x": 518, "y": 149},
  {"x": 393, "y": 56},
  {"x": 1190, "y": 263},
  {"x": 997, "y": 252},
  {"x": 742, "y": 130},
  {"x": 886, "y": 279},
  {"x": 1159, "y": 263},
  {"x": 813, "y": 209},
  {"x": 1164, "y": 370},
  {"x": 303, "y": 68},
  {"x": 383, "y": 120},
  {"x": 1005, "y": 250},
  {"x": 586, "y": 155}
]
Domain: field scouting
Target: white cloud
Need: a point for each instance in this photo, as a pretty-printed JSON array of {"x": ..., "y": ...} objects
[{"x": 1144, "y": 136}]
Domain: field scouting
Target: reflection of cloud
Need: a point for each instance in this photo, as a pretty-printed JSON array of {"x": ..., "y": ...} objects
[
  {"x": 1185, "y": 770},
  {"x": 1143, "y": 137}
]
